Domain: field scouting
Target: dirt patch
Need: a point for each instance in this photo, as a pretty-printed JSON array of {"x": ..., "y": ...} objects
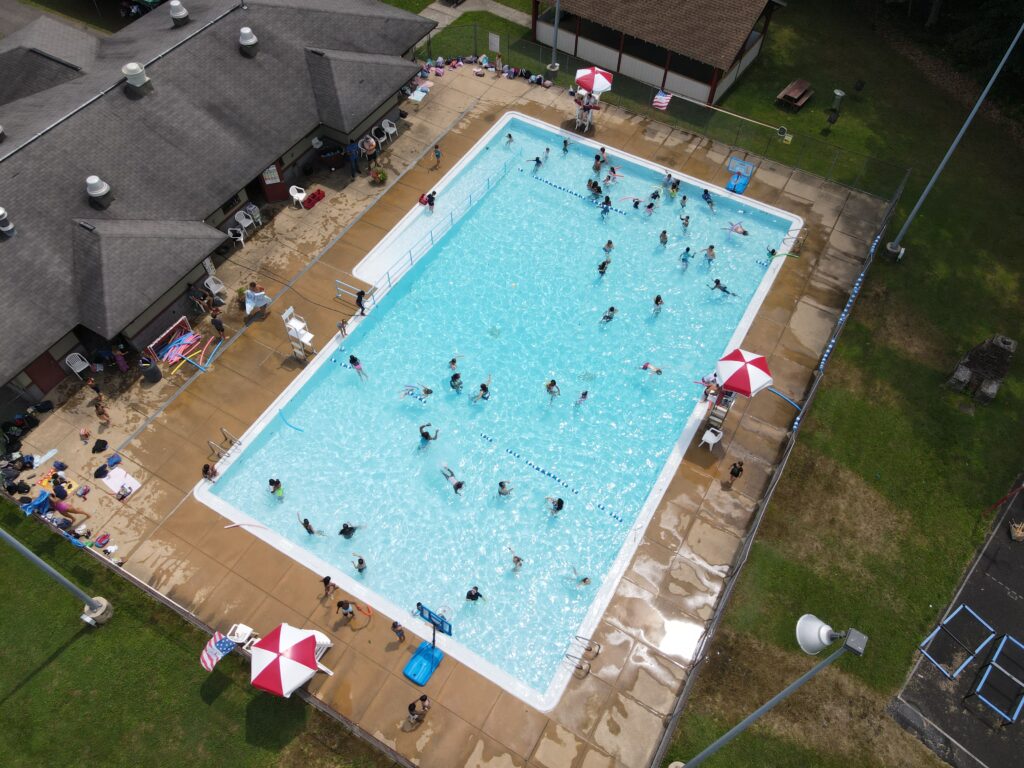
[
  {"x": 960, "y": 87},
  {"x": 835, "y": 714},
  {"x": 912, "y": 334},
  {"x": 854, "y": 519}
]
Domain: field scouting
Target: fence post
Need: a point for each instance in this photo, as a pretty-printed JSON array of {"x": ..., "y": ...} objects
[{"x": 430, "y": 50}]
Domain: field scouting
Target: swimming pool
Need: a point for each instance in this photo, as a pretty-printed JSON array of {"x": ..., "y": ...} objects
[{"x": 503, "y": 276}]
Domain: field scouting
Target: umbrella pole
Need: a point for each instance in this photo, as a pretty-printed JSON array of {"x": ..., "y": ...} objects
[{"x": 774, "y": 391}]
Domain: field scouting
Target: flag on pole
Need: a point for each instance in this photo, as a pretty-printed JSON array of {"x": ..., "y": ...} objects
[
  {"x": 661, "y": 100},
  {"x": 215, "y": 650}
]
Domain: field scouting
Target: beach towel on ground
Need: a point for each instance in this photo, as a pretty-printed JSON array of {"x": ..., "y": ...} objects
[
  {"x": 254, "y": 300},
  {"x": 117, "y": 479}
]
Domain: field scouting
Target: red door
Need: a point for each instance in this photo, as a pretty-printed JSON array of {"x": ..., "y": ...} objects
[
  {"x": 274, "y": 189},
  {"x": 45, "y": 372}
]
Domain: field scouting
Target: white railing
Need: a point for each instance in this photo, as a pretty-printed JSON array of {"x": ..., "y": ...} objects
[{"x": 407, "y": 260}]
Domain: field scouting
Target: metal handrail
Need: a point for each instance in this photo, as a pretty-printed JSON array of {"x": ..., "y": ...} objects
[{"x": 406, "y": 262}]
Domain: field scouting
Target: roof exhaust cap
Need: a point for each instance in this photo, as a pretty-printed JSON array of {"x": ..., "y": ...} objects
[
  {"x": 179, "y": 13},
  {"x": 248, "y": 43},
  {"x": 137, "y": 85},
  {"x": 6, "y": 228},
  {"x": 100, "y": 196}
]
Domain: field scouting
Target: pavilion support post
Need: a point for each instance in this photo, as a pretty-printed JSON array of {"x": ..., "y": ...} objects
[
  {"x": 668, "y": 63},
  {"x": 534, "y": 13},
  {"x": 576, "y": 42},
  {"x": 622, "y": 45},
  {"x": 716, "y": 75}
]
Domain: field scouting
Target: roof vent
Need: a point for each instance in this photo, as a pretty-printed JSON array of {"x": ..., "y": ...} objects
[
  {"x": 100, "y": 196},
  {"x": 2, "y": 134},
  {"x": 179, "y": 13},
  {"x": 137, "y": 85},
  {"x": 247, "y": 43},
  {"x": 6, "y": 228}
]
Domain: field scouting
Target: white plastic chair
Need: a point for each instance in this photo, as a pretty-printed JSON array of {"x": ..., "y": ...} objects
[
  {"x": 237, "y": 235},
  {"x": 390, "y": 128},
  {"x": 77, "y": 363},
  {"x": 215, "y": 286},
  {"x": 245, "y": 221},
  {"x": 711, "y": 438},
  {"x": 380, "y": 135},
  {"x": 254, "y": 211},
  {"x": 298, "y": 195}
]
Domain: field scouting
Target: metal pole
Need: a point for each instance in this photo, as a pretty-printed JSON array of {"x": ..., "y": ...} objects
[
  {"x": 553, "y": 66},
  {"x": 764, "y": 709},
  {"x": 894, "y": 247},
  {"x": 32, "y": 557}
]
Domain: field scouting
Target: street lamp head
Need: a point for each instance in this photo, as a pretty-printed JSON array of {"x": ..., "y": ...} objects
[{"x": 813, "y": 635}]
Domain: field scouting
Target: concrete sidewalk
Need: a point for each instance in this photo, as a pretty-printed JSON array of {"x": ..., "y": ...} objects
[{"x": 445, "y": 14}]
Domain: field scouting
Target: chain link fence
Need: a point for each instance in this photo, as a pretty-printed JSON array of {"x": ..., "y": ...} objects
[{"x": 806, "y": 153}]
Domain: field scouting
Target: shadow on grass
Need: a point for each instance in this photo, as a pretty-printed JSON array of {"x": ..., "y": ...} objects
[
  {"x": 273, "y": 723},
  {"x": 213, "y": 686},
  {"x": 45, "y": 663}
]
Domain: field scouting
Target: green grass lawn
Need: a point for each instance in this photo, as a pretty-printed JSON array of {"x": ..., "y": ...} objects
[
  {"x": 132, "y": 693},
  {"x": 413, "y": 6}
]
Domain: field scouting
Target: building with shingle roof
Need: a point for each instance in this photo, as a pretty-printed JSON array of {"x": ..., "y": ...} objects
[
  {"x": 211, "y": 129},
  {"x": 696, "y": 48}
]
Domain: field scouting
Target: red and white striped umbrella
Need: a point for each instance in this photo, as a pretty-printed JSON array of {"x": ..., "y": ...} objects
[
  {"x": 284, "y": 660},
  {"x": 743, "y": 372},
  {"x": 594, "y": 79}
]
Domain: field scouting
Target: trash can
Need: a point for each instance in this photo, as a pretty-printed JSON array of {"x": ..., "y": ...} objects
[{"x": 150, "y": 370}]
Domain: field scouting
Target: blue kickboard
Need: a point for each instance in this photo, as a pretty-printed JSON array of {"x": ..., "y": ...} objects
[
  {"x": 423, "y": 663},
  {"x": 738, "y": 183}
]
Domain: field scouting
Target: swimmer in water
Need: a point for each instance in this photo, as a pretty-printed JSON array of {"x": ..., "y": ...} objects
[
  {"x": 667, "y": 181},
  {"x": 474, "y": 594},
  {"x": 685, "y": 220},
  {"x": 457, "y": 485},
  {"x": 655, "y": 195},
  {"x": 649, "y": 209},
  {"x": 565, "y": 146},
  {"x": 455, "y": 382},
  {"x": 425, "y": 435},
  {"x": 358, "y": 367},
  {"x": 658, "y": 304},
  {"x": 552, "y": 390},
  {"x": 608, "y": 316},
  {"x": 719, "y": 287},
  {"x": 537, "y": 163},
  {"x": 709, "y": 253},
  {"x": 504, "y": 489},
  {"x": 706, "y": 197},
  {"x": 613, "y": 175},
  {"x": 651, "y": 368},
  {"x": 771, "y": 253},
  {"x": 417, "y": 390},
  {"x": 609, "y": 247},
  {"x": 508, "y": 139},
  {"x": 347, "y": 531},
  {"x": 606, "y": 206},
  {"x": 685, "y": 257},
  {"x": 277, "y": 489},
  {"x": 582, "y": 398},
  {"x": 736, "y": 228},
  {"x": 359, "y": 563},
  {"x": 597, "y": 164},
  {"x": 484, "y": 393},
  {"x": 517, "y": 561},
  {"x": 674, "y": 188},
  {"x": 663, "y": 238},
  {"x": 304, "y": 522},
  {"x": 604, "y": 155},
  {"x": 682, "y": 202},
  {"x": 557, "y": 504},
  {"x": 454, "y": 363},
  {"x": 581, "y": 581},
  {"x": 603, "y": 267}
]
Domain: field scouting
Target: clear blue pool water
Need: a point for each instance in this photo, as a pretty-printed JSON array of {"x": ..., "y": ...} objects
[{"x": 513, "y": 291}]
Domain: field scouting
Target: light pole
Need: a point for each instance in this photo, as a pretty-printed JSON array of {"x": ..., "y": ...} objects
[
  {"x": 895, "y": 248},
  {"x": 553, "y": 66},
  {"x": 814, "y": 636},
  {"x": 97, "y": 609}
]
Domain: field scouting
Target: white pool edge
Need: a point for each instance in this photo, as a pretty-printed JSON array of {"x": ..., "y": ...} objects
[{"x": 547, "y": 700}]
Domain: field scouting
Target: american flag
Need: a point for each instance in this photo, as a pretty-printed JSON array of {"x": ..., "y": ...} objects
[
  {"x": 215, "y": 650},
  {"x": 661, "y": 100}
]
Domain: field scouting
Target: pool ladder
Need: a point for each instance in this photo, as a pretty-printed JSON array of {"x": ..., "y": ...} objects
[
  {"x": 587, "y": 652},
  {"x": 218, "y": 448}
]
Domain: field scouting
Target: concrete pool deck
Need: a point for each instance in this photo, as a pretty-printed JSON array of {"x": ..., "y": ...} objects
[{"x": 609, "y": 718}]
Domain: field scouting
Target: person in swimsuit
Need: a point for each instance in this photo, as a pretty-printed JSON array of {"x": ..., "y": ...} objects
[
  {"x": 417, "y": 390},
  {"x": 484, "y": 393},
  {"x": 663, "y": 238},
  {"x": 431, "y": 200},
  {"x": 456, "y": 484},
  {"x": 347, "y": 531},
  {"x": 608, "y": 316},
  {"x": 508, "y": 139},
  {"x": 455, "y": 382},
  {"x": 64, "y": 509},
  {"x": 603, "y": 267},
  {"x": 682, "y": 202},
  {"x": 651, "y": 368},
  {"x": 674, "y": 187},
  {"x": 277, "y": 489},
  {"x": 557, "y": 504},
  {"x": 537, "y": 163},
  {"x": 308, "y": 526},
  {"x": 685, "y": 221},
  {"x": 581, "y": 581},
  {"x": 361, "y": 301},
  {"x": 604, "y": 155},
  {"x": 565, "y": 146},
  {"x": 504, "y": 489},
  {"x": 359, "y": 563},
  {"x": 606, "y": 206},
  {"x": 517, "y": 561},
  {"x": 474, "y": 594},
  {"x": 736, "y": 228},
  {"x": 425, "y": 435},
  {"x": 649, "y": 210},
  {"x": 706, "y": 197},
  {"x": 552, "y": 389},
  {"x": 329, "y": 586},
  {"x": 655, "y": 196},
  {"x": 582, "y": 398},
  {"x": 658, "y": 304},
  {"x": 719, "y": 287},
  {"x": 709, "y": 253},
  {"x": 613, "y": 175},
  {"x": 357, "y": 366},
  {"x": 346, "y": 609},
  {"x": 597, "y": 164},
  {"x": 453, "y": 363},
  {"x": 209, "y": 472},
  {"x": 685, "y": 257}
]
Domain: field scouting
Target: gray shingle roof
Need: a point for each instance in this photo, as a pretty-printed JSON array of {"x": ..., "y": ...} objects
[
  {"x": 213, "y": 122},
  {"x": 709, "y": 31}
]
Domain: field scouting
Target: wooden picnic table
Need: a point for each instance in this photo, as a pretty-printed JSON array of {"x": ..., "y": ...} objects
[{"x": 796, "y": 94}]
